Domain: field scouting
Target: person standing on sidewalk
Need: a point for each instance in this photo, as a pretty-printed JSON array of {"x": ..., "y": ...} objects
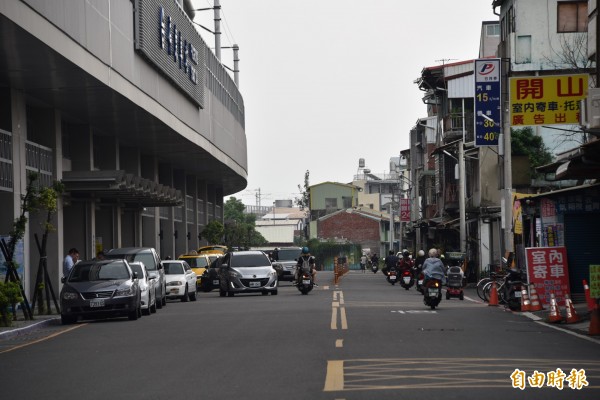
[
  {"x": 363, "y": 263},
  {"x": 70, "y": 260}
]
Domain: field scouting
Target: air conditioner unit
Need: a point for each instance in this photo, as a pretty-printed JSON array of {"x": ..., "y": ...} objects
[{"x": 590, "y": 114}]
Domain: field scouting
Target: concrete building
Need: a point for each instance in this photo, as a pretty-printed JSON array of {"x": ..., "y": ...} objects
[{"x": 125, "y": 104}]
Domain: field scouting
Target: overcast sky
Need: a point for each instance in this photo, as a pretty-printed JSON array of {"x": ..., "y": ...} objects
[{"x": 327, "y": 82}]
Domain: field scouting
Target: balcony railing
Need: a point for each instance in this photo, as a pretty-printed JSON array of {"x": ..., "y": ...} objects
[
  {"x": 6, "y": 166},
  {"x": 453, "y": 126}
]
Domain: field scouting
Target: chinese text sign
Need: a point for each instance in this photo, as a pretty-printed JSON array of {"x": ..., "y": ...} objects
[
  {"x": 548, "y": 271},
  {"x": 546, "y": 100},
  {"x": 487, "y": 102}
]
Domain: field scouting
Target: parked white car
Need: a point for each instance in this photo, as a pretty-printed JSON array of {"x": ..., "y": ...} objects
[
  {"x": 181, "y": 280},
  {"x": 147, "y": 287}
]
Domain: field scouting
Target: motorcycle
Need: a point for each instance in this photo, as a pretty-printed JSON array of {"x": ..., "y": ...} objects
[
  {"x": 407, "y": 280},
  {"x": 420, "y": 279},
  {"x": 374, "y": 268},
  {"x": 512, "y": 287},
  {"x": 432, "y": 295},
  {"x": 392, "y": 276},
  {"x": 305, "y": 282}
]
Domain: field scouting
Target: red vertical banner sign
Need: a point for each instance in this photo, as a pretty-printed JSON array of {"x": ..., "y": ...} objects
[
  {"x": 404, "y": 210},
  {"x": 548, "y": 270}
]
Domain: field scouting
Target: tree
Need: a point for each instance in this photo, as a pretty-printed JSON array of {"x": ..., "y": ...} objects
[
  {"x": 524, "y": 142},
  {"x": 213, "y": 232},
  {"x": 304, "y": 200},
  {"x": 234, "y": 210},
  {"x": 240, "y": 228}
]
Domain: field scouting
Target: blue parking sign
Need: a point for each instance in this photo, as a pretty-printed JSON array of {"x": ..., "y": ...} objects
[{"x": 487, "y": 104}]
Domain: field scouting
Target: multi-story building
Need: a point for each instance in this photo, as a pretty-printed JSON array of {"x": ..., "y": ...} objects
[{"x": 125, "y": 104}]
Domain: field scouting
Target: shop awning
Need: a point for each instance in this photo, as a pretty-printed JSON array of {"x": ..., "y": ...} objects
[{"x": 120, "y": 187}]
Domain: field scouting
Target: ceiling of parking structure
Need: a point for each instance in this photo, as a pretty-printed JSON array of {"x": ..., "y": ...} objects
[{"x": 51, "y": 81}]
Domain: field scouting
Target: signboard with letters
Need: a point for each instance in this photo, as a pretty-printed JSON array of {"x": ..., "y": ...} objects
[
  {"x": 546, "y": 100},
  {"x": 548, "y": 271},
  {"x": 487, "y": 102}
]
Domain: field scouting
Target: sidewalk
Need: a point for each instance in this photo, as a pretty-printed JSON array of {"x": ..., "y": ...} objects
[
  {"x": 22, "y": 326},
  {"x": 579, "y": 328}
]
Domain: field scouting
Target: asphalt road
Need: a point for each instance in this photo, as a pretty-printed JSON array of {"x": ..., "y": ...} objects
[{"x": 362, "y": 339}]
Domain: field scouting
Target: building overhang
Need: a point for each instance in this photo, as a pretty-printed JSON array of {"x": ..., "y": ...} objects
[{"x": 120, "y": 187}]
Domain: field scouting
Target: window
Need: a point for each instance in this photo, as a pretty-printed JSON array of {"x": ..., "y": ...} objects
[
  {"x": 572, "y": 16},
  {"x": 492, "y": 30},
  {"x": 347, "y": 202},
  {"x": 330, "y": 203}
]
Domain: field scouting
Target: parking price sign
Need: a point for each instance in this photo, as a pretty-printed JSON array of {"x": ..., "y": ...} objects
[{"x": 487, "y": 102}]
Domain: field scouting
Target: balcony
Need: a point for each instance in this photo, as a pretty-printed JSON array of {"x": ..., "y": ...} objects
[{"x": 453, "y": 126}]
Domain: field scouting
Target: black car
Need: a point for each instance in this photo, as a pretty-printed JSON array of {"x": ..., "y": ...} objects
[
  {"x": 210, "y": 277},
  {"x": 100, "y": 289}
]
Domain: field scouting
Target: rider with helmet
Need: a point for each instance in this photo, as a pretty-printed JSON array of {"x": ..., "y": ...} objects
[
  {"x": 306, "y": 258},
  {"x": 405, "y": 262},
  {"x": 433, "y": 267}
]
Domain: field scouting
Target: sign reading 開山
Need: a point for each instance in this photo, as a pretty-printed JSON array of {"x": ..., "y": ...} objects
[
  {"x": 546, "y": 100},
  {"x": 487, "y": 102}
]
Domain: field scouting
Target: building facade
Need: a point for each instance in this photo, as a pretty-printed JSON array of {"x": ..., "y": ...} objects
[{"x": 125, "y": 104}]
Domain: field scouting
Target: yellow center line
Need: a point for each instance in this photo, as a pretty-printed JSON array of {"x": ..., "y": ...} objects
[
  {"x": 334, "y": 318},
  {"x": 42, "y": 339}
]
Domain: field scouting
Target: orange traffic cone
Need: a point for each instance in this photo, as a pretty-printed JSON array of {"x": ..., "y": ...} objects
[
  {"x": 591, "y": 303},
  {"x": 572, "y": 316},
  {"x": 535, "y": 300},
  {"x": 493, "y": 295},
  {"x": 525, "y": 303},
  {"x": 595, "y": 322},
  {"x": 555, "y": 315}
]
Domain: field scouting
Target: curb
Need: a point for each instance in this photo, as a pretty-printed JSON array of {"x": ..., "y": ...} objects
[{"x": 20, "y": 331}]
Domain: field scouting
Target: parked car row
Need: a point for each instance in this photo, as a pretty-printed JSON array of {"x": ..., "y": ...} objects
[
  {"x": 134, "y": 281},
  {"x": 130, "y": 282}
]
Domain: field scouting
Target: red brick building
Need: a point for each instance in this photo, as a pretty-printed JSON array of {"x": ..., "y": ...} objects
[{"x": 355, "y": 225}]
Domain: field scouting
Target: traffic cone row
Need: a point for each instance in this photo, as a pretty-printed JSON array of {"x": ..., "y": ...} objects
[
  {"x": 535, "y": 300},
  {"x": 555, "y": 315},
  {"x": 525, "y": 302}
]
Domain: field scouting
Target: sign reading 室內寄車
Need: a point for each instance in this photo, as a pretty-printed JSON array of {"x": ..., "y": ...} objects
[
  {"x": 546, "y": 100},
  {"x": 548, "y": 271},
  {"x": 487, "y": 102}
]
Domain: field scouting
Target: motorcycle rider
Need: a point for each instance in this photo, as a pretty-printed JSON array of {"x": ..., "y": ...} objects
[
  {"x": 420, "y": 260},
  {"x": 405, "y": 262},
  {"x": 391, "y": 261},
  {"x": 433, "y": 267},
  {"x": 306, "y": 258}
]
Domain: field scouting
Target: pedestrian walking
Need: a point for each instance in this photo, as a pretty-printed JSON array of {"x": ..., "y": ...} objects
[{"x": 363, "y": 263}]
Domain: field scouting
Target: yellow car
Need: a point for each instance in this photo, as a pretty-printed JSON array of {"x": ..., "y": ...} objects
[
  {"x": 198, "y": 262},
  {"x": 213, "y": 249}
]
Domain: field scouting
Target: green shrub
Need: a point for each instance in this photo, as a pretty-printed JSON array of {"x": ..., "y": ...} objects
[{"x": 10, "y": 294}]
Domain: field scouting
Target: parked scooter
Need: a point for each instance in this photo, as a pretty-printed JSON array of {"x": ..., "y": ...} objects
[
  {"x": 511, "y": 288},
  {"x": 432, "y": 295},
  {"x": 407, "y": 280},
  {"x": 392, "y": 276}
]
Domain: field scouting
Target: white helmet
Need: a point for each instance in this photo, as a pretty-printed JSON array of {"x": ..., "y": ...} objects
[{"x": 421, "y": 253}]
